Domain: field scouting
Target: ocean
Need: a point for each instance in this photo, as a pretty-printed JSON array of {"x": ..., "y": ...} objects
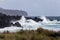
[
  {"x": 48, "y": 23},
  {"x": 53, "y": 17},
  {"x": 54, "y": 25}
]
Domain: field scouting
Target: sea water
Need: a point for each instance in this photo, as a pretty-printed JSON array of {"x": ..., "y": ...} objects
[
  {"x": 32, "y": 25},
  {"x": 51, "y": 25},
  {"x": 46, "y": 24}
]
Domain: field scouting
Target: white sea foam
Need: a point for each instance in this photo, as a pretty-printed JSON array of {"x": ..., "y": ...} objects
[
  {"x": 48, "y": 22},
  {"x": 45, "y": 20},
  {"x": 33, "y": 25}
]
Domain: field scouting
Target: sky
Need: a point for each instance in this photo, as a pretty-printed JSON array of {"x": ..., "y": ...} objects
[{"x": 34, "y": 7}]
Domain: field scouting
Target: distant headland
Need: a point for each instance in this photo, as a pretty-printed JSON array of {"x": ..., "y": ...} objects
[{"x": 13, "y": 12}]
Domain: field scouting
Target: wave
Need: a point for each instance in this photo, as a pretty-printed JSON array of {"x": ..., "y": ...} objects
[{"x": 33, "y": 25}]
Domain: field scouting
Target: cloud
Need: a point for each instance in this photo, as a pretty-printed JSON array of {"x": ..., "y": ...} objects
[
  {"x": 33, "y": 7},
  {"x": 2, "y": 0}
]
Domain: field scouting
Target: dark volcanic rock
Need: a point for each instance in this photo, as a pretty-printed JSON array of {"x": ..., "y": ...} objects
[{"x": 17, "y": 24}]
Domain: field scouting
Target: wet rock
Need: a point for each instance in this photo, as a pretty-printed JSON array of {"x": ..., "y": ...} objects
[{"x": 17, "y": 24}]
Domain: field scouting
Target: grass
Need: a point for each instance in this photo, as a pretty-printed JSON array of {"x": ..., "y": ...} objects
[{"x": 39, "y": 34}]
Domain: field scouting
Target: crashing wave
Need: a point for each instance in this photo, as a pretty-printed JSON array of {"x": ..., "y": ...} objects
[
  {"x": 33, "y": 25},
  {"x": 48, "y": 22},
  {"x": 45, "y": 20}
]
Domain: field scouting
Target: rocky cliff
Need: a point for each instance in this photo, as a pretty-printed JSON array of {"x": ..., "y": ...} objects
[{"x": 13, "y": 12}]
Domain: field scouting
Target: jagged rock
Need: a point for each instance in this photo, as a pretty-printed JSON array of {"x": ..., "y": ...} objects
[{"x": 17, "y": 24}]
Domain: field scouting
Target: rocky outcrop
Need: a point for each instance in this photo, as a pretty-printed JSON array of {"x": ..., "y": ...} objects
[{"x": 17, "y": 24}]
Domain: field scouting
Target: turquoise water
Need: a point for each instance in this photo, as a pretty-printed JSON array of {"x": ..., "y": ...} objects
[{"x": 52, "y": 27}]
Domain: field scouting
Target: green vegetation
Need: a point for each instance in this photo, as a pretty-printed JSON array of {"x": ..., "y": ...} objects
[{"x": 39, "y": 34}]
